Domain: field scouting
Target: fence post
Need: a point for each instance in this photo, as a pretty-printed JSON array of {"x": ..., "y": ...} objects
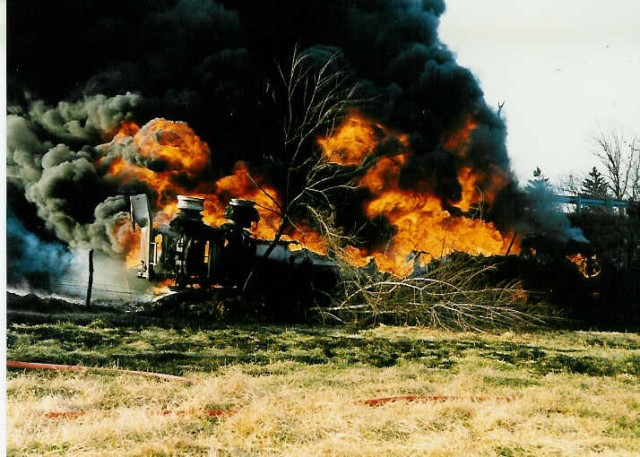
[{"x": 90, "y": 286}]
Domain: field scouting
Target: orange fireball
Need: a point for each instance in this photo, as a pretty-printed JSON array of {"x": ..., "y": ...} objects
[
  {"x": 421, "y": 222},
  {"x": 352, "y": 141},
  {"x": 171, "y": 159}
]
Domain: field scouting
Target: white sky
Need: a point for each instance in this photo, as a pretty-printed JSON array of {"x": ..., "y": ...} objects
[{"x": 564, "y": 68}]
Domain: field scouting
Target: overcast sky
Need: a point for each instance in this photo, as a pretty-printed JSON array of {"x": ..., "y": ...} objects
[{"x": 564, "y": 69}]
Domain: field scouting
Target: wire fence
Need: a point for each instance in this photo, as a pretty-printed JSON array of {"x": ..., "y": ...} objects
[{"x": 102, "y": 289}]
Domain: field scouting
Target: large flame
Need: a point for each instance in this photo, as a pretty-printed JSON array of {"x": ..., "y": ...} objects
[
  {"x": 424, "y": 229},
  {"x": 458, "y": 142},
  {"x": 352, "y": 141},
  {"x": 163, "y": 154},
  {"x": 171, "y": 159}
]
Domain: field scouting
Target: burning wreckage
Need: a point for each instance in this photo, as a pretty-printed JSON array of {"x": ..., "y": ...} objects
[
  {"x": 189, "y": 252},
  {"x": 191, "y": 243},
  {"x": 423, "y": 154}
]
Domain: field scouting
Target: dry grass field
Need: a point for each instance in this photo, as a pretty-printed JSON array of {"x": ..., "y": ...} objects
[{"x": 300, "y": 391}]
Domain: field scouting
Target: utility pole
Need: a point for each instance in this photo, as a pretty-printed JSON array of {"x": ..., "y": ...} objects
[{"x": 90, "y": 286}]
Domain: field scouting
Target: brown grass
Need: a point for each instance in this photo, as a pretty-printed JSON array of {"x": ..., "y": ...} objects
[{"x": 295, "y": 409}]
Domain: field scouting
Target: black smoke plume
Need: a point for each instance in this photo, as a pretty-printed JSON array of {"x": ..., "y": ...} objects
[{"x": 77, "y": 69}]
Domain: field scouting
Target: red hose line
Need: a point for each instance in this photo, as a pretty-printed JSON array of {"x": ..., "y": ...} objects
[
  {"x": 209, "y": 413},
  {"x": 43, "y": 366},
  {"x": 221, "y": 412},
  {"x": 165, "y": 412},
  {"x": 368, "y": 402},
  {"x": 427, "y": 398},
  {"x": 57, "y": 367},
  {"x": 61, "y": 414}
]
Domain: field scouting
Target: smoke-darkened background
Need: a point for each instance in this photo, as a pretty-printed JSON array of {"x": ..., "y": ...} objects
[{"x": 77, "y": 69}]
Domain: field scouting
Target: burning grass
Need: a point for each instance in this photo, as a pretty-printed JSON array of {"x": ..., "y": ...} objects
[{"x": 297, "y": 391}]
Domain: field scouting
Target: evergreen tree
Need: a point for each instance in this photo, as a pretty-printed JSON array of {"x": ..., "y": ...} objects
[
  {"x": 539, "y": 182},
  {"x": 595, "y": 185}
]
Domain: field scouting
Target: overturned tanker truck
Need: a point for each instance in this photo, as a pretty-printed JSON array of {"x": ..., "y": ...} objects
[{"x": 194, "y": 254}]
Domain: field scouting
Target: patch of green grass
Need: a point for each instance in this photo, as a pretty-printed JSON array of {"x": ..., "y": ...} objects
[
  {"x": 52, "y": 448},
  {"x": 515, "y": 451},
  {"x": 181, "y": 349},
  {"x": 592, "y": 365},
  {"x": 510, "y": 381},
  {"x": 625, "y": 427}
]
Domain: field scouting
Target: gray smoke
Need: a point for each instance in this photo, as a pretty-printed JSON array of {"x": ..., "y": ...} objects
[
  {"x": 90, "y": 120},
  {"x": 68, "y": 190},
  {"x": 545, "y": 216}
]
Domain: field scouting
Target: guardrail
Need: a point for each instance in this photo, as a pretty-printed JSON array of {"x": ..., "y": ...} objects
[{"x": 581, "y": 202}]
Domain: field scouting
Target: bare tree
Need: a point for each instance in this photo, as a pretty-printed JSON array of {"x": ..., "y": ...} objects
[
  {"x": 620, "y": 156},
  {"x": 314, "y": 95},
  {"x": 570, "y": 184}
]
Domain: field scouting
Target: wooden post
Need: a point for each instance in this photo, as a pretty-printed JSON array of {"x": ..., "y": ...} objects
[
  {"x": 513, "y": 239},
  {"x": 90, "y": 286}
]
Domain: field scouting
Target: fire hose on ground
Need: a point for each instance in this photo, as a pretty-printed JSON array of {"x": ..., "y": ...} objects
[{"x": 379, "y": 401}]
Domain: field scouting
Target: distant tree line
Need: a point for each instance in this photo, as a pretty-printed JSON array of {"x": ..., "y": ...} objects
[
  {"x": 618, "y": 155},
  {"x": 610, "y": 298}
]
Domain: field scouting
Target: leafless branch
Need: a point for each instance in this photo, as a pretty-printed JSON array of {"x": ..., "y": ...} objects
[
  {"x": 452, "y": 296},
  {"x": 315, "y": 96},
  {"x": 620, "y": 156},
  {"x": 267, "y": 194}
]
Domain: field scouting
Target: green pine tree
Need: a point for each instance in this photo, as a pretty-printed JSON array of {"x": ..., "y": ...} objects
[
  {"x": 539, "y": 182},
  {"x": 595, "y": 185}
]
